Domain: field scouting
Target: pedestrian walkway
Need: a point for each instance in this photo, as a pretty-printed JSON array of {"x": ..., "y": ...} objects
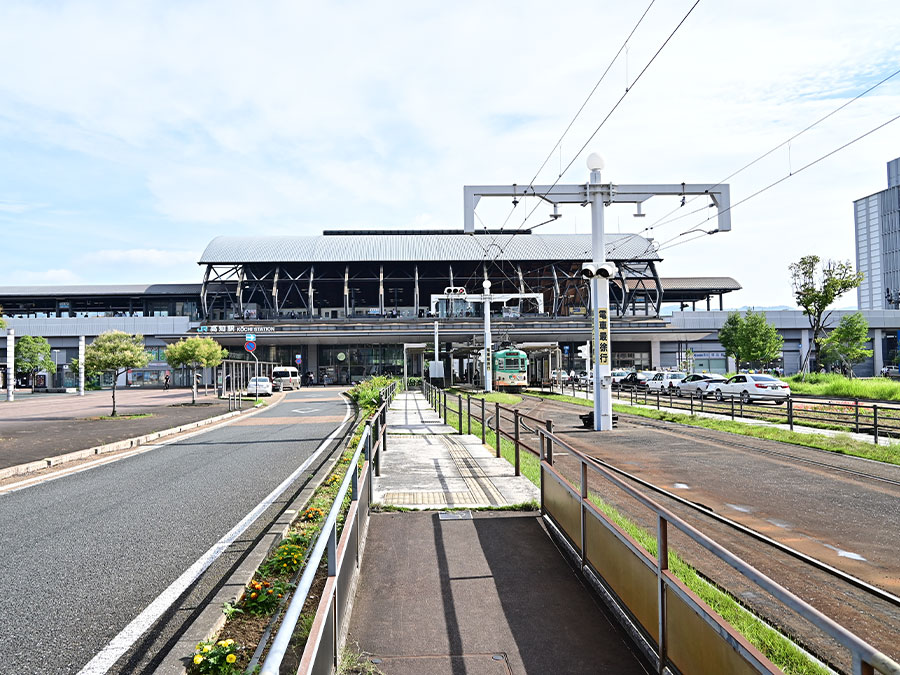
[
  {"x": 474, "y": 592},
  {"x": 429, "y": 465}
]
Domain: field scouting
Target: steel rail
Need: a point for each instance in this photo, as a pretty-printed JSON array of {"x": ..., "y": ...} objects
[{"x": 857, "y": 646}]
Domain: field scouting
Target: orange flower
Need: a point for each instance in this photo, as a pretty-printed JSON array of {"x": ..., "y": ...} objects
[{"x": 253, "y": 596}]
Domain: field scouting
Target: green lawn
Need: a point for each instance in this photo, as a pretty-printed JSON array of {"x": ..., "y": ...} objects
[
  {"x": 830, "y": 384},
  {"x": 494, "y": 397}
]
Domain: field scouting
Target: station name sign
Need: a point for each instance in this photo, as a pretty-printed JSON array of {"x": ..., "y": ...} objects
[{"x": 235, "y": 328}]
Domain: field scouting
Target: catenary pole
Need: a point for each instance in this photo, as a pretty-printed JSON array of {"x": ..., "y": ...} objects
[
  {"x": 599, "y": 306},
  {"x": 487, "y": 336}
]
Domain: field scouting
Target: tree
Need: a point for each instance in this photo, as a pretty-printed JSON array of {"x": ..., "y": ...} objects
[
  {"x": 847, "y": 342},
  {"x": 750, "y": 338},
  {"x": 118, "y": 352},
  {"x": 816, "y": 289},
  {"x": 32, "y": 355},
  {"x": 730, "y": 336},
  {"x": 2, "y": 322},
  {"x": 195, "y": 352}
]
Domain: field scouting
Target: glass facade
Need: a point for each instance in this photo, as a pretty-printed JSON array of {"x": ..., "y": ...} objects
[{"x": 343, "y": 364}]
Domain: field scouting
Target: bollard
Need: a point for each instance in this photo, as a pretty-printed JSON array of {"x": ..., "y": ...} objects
[
  {"x": 497, "y": 424},
  {"x": 875, "y": 422},
  {"x": 516, "y": 441},
  {"x": 483, "y": 424},
  {"x": 790, "y": 413},
  {"x": 459, "y": 410},
  {"x": 469, "y": 412},
  {"x": 548, "y": 450}
]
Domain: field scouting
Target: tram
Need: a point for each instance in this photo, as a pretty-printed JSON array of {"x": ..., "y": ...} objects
[{"x": 510, "y": 369}]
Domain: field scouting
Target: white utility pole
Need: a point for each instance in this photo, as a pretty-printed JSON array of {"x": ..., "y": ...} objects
[
  {"x": 81, "y": 365},
  {"x": 487, "y": 336},
  {"x": 598, "y": 270},
  {"x": 599, "y": 304},
  {"x": 10, "y": 364}
]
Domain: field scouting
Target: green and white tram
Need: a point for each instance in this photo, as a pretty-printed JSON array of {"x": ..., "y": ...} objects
[{"x": 510, "y": 369}]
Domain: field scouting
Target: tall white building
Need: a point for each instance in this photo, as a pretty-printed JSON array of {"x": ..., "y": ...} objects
[{"x": 878, "y": 244}]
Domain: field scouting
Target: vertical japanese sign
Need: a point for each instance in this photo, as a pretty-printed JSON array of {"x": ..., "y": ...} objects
[{"x": 601, "y": 344}]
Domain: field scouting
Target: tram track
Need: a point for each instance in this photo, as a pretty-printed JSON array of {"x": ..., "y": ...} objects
[{"x": 852, "y": 599}]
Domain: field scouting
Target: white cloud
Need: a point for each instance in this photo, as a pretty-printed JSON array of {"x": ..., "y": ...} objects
[
  {"x": 298, "y": 118},
  {"x": 141, "y": 256},
  {"x": 24, "y": 277}
]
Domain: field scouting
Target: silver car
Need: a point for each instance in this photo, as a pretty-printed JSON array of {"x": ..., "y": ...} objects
[{"x": 753, "y": 386}]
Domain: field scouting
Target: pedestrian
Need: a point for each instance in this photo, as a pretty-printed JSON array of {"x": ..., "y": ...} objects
[{"x": 166, "y": 382}]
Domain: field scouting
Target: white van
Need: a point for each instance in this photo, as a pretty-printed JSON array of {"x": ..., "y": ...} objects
[{"x": 285, "y": 377}]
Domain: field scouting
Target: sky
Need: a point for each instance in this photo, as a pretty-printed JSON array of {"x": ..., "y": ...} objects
[{"x": 132, "y": 133}]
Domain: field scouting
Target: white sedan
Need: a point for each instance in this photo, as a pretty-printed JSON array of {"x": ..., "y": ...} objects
[
  {"x": 698, "y": 384},
  {"x": 665, "y": 381},
  {"x": 259, "y": 386},
  {"x": 750, "y": 386}
]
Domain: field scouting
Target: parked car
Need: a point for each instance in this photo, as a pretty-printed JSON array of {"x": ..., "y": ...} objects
[
  {"x": 285, "y": 377},
  {"x": 559, "y": 375},
  {"x": 259, "y": 386},
  {"x": 665, "y": 381},
  {"x": 617, "y": 375},
  {"x": 697, "y": 384},
  {"x": 634, "y": 381},
  {"x": 750, "y": 386}
]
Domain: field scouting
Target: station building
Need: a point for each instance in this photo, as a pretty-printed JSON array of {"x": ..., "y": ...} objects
[{"x": 346, "y": 302}]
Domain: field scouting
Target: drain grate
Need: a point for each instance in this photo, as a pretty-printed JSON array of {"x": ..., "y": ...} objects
[{"x": 455, "y": 515}]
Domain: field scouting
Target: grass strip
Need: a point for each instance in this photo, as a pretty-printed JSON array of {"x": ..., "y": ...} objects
[
  {"x": 840, "y": 443},
  {"x": 832, "y": 384},
  {"x": 500, "y": 397},
  {"x": 777, "y": 648}
]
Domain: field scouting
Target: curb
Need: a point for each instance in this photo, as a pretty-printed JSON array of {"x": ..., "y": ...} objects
[
  {"x": 211, "y": 619},
  {"x": 127, "y": 444}
]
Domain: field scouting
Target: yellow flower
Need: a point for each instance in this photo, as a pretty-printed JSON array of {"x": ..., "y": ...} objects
[
  {"x": 229, "y": 642},
  {"x": 231, "y": 658},
  {"x": 222, "y": 643},
  {"x": 198, "y": 659},
  {"x": 206, "y": 648}
]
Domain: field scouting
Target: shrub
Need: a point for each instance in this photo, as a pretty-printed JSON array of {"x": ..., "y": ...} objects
[
  {"x": 261, "y": 597},
  {"x": 413, "y": 382},
  {"x": 286, "y": 559},
  {"x": 366, "y": 393},
  {"x": 216, "y": 657}
]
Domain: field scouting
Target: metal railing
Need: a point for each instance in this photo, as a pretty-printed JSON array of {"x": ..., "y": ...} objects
[
  {"x": 521, "y": 428},
  {"x": 559, "y": 498},
  {"x": 861, "y": 416},
  {"x": 343, "y": 554}
]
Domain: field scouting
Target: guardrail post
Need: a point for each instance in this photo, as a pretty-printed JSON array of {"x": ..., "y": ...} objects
[
  {"x": 383, "y": 429},
  {"x": 790, "y": 413},
  {"x": 459, "y": 411},
  {"x": 875, "y": 422},
  {"x": 856, "y": 414},
  {"x": 483, "y": 424},
  {"x": 469, "y": 412},
  {"x": 662, "y": 564},
  {"x": 516, "y": 436},
  {"x": 497, "y": 424},
  {"x": 741, "y": 413},
  {"x": 584, "y": 496},
  {"x": 548, "y": 450},
  {"x": 691, "y": 394},
  {"x": 732, "y": 407},
  {"x": 445, "y": 407},
  {"x": 657, "y": 399},
  {"x": 332, "y": 550}
]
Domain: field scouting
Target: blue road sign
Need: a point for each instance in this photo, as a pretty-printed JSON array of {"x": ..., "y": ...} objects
[
  {"x": 249, "y": 346},
  {"x": 250, "y": 337},
  {"x": 298, "y": 360},
  {"x": 566, "y": 349}
]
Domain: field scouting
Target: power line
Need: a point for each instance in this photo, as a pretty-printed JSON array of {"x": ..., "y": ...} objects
[
  {"x": 609, "y": 114},
  {"x": 658, "y": 223},
  {"x": 784, "y": 178}
]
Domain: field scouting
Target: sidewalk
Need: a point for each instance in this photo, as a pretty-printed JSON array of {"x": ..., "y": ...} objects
[{"x": 462, "y": 592}]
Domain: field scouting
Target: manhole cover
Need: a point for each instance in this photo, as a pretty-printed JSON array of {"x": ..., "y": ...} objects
[{"x": 455, "y": 515}]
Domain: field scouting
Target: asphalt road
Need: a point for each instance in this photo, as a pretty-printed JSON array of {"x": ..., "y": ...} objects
[{"x": 82, "y": 556}]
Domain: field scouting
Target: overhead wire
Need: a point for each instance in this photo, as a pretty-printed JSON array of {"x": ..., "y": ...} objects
[
  {"x": 790, "y": 174},
  {"x": 607, "y": 116},
  {"x": 612, "y": 62}
]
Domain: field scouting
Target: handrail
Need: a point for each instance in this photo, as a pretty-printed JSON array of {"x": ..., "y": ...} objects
[
  {"x": 863, "y": 653},
  {"x": 327, "y": 536}
]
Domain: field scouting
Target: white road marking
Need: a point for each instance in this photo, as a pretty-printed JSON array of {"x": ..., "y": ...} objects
[
  {"x": 305, "y": 410},
  {"x": 846, "y": 554},
  {"x": 102, "y": 460},
  {"x": 682, "y": 486},
  {"x": 742, "y": 509},
  {"x": 120, "y": 644}
]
